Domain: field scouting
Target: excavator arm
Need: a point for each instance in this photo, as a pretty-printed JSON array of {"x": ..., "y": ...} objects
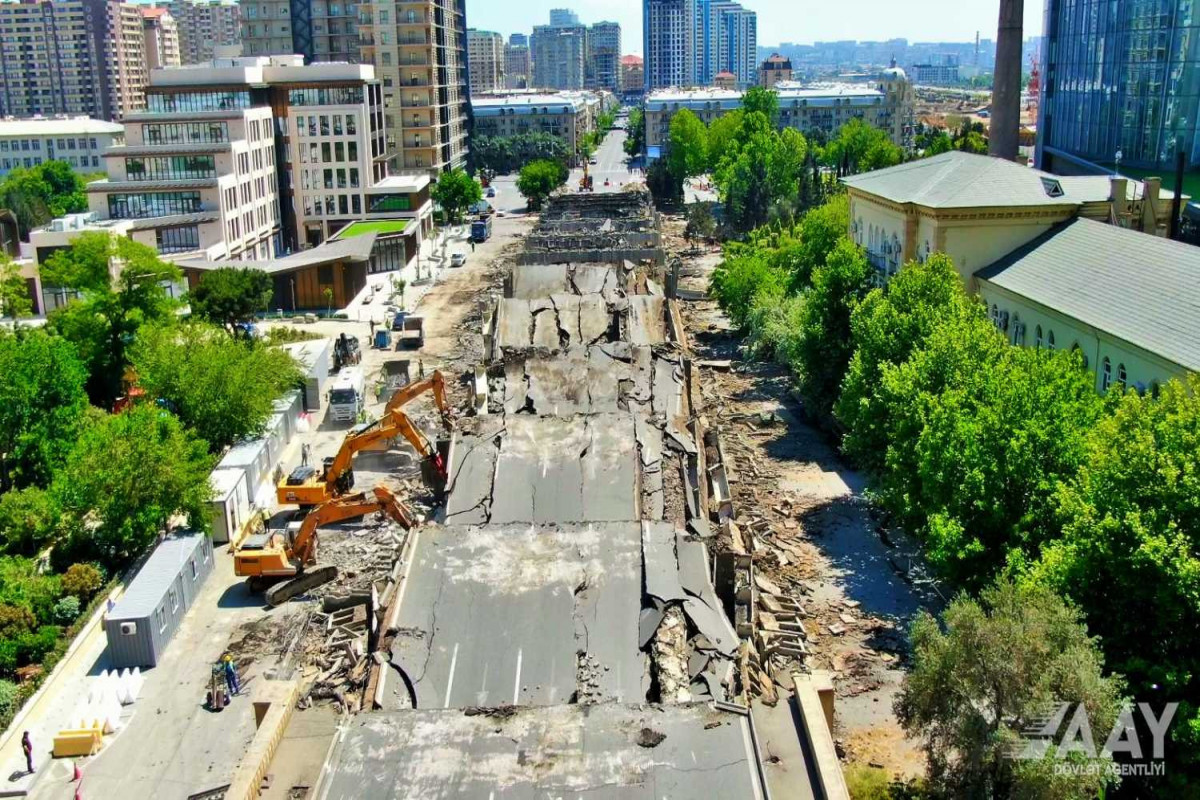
[
  {"x": 351, "y": 446},
  {"x": 348, "y": 507},
  {"x": 435, "y": 383}
]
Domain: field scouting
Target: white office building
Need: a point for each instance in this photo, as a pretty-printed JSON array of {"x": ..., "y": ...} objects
[{"x": 79, "y": 141}]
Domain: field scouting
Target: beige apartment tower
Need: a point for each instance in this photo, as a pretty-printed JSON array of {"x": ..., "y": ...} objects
[
  {"x": 205, "y": 25},
  {"x": 486, "y": 58},
  {"x": 419, "y": 49},
  {"x": 71, "y": 57},
  {"x": 162, "y": 38}
]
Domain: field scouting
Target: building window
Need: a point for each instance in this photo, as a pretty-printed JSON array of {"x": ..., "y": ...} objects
[
  {"x": 152, "y": 204},
  {"x": 178, "y": 240},
  {"x": 185, "y": 132},
  {"x": 1122, "y": 378},
  {"x": 1050, "y": 340},
  {"x": 1105, "y": 374},
  {"x": 197, "y": 101},
  {"x": 166, "y": 168},
  {"x": 1037, "y": 337},
  {"x": 332, "y": 96}
]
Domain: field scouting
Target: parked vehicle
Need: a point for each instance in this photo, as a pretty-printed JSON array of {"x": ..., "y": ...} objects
[
  {"x": 491, "y": 192},
  {"x": 346, "y": 398},
  {"x": 458, "y": 259},
  {"x": 346, "y": 351},
  {"x": 481, "y": 209},
  {"x": 412, "y": 333},
  {"x": 481, "y": 229}
]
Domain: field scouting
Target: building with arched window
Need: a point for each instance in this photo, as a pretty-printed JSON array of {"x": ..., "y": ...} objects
[{"x": 1129, "y": 302}]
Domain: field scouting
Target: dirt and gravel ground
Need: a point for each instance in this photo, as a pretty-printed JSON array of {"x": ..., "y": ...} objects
[{"x": 821, "y": 540}]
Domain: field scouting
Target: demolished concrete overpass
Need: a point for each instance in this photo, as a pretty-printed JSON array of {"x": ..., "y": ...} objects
[{"x": 559, "y": 629}]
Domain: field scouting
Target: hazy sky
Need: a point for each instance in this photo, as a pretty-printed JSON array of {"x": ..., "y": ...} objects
[{"x": 803, "y": 21}]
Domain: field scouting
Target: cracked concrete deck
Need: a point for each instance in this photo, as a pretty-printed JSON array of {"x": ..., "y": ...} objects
[
  {"x": 565, "y": 751},
  {"x": 498, "y": 614}
]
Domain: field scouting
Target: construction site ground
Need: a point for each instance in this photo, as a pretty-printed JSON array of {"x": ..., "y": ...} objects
[{"x": 859, "y": 583}]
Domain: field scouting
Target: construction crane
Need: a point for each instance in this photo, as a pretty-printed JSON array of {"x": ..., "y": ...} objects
[
  {"x": 308, "y": 486},
  {"x": 271, "y": 555}
]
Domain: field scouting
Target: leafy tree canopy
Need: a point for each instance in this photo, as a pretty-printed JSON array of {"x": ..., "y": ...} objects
[
  {"x": 106, "y": 319},
  {"x": 504, "y": 155},
  {"x": 42, "y": 405},
  {"x": 539, "y": 179},
  {"x": 860, "y": 147},
  {"x": 39, "y": 194},
  {"x": 456, "y": 191},
  {"x": 229, "y": 296},
  {"x": 1001, "y": 663},
  {"x": 762, "y": 100},
  {"x": 15, "y": 301},
  {"x": 687, "y": 145},
  {"x": 126, "y": 477},
  {"x": 222, "y": 388}
]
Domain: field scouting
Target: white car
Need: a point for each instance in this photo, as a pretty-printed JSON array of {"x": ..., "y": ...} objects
[{"x": 458, "y": 259}]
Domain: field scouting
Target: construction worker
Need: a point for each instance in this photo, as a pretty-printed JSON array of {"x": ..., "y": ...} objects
[
  {"x": 304, "y": 453},
  {"x": 27, "y": 748},
  {"x": 231, "y": 676}
]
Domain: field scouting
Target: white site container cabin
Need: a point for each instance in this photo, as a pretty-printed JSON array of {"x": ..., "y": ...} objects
[
  {"x": 347, "y": 397},
  {"x": 230, "y": 503},
  {"x": 315, "y": 360},
  {"x": 254, "y": 458},
  {"x": 153, "y": 607}
]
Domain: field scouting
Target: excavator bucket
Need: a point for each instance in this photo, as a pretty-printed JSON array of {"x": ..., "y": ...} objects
[{"x": 306, "y": 581}]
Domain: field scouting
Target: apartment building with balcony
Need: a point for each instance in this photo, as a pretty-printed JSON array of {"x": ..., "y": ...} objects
[
  {"x": 161, "y": 34},
  {"x": 419, "y": 49},
  {"x": 71, "y": 57},
  {"x": 319, "y": 30},
  {"x": 205, "y": 25},
  {"x": 566, "y": 115},
  {"x": 486, "y": 58},
  {"x": 518, "y": 63}
]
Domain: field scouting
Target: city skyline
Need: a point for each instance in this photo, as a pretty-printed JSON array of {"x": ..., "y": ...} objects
[{"x": 780, "y": 20}]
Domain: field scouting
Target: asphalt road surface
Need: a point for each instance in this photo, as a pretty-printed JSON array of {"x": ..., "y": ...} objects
[{"x": 611, "y": 165}]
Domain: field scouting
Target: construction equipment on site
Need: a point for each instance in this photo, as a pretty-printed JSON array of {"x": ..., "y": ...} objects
[
  {"x": 271, "y": 555},
  {"x": 346, "y": 350},
  {"x": 309, "y": 486}
]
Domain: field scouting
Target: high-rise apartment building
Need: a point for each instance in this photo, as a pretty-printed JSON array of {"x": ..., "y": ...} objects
[
  {"x": 71, "y": 57},
  {"x": 518, "y": 63},
  {"x": 726, "y": 41},
  {"x": 419, "y": 49},
  {"x": 559, "y": 56},
  {"x": 604, "y": 56},
  {"x": 1119, "y": 87},
  {"x": 669, "y": 43},
  {"x": 486, "y": 60},
  {"x": 319, "y": 30},
  {"x": 162, "y": 38},
  {"x": 205, "y": 25},
  {"x": 563, "y": 17}
]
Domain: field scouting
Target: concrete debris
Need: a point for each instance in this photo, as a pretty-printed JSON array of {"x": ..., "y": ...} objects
[
  {"x": 669, "y": 659},
  {"x": 648, "y": 737}
]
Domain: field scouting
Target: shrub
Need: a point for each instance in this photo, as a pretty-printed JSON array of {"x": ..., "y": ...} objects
[
  {"x": 22, "y": 584},
  {"x": 15, "y": 620},
  {"x": 82, "y": 580},
  {"x": 33, "y": 647},
  {"x": 8, "y": 656},
  {"x": 8, "y": 698},
  {"x": 66, "y": 610},
  {"x": 739, "y": 278},
  {"x": 774, "y": 322},
  {"x": 27, "y": 518}
]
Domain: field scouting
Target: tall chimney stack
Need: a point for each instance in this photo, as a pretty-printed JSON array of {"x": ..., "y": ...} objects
[{"x": 1006, "y": 82}]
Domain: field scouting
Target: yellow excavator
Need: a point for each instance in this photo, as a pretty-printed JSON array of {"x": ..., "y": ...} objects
[
  {"x": 273, "y": 555},
  {"x": 308, "y": 486}
]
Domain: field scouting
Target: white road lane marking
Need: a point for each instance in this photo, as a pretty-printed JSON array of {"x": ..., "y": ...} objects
[
  {"x": 517, "y": 680},
  {"x": 450, "y": 682}
]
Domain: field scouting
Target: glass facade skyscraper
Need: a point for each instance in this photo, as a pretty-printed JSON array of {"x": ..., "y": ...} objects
[{"x": 1120, "y": 76}]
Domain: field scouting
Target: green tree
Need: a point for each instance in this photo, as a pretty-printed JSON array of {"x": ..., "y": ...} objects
[
  {"x": 15, "y": 301},
  {"x": 1001, "y": 663},
  {"x": 861, "y": 147},
  {"x": 742, "y": 275},
  {"x": 700, "y": 222},
  {"x": 229, "y": 296},
  {"x": 126, "y": 478},
  {"x": 820, "y": 231},
  {"x": 507, "y": 154},
  {"x": 724, "y": 138},
  {"x": 42, "y": 406},
  {"x": 222, "y": 388},
  {"x": 889, "y": 325},
  {"x": 23, "y": 585},
  {"x": 635, "y": 141},
  {"x": 82, "y": 581},
  {"x": 762, "y": 100},
  {"x": 973, "y": 142},
  {"x": 41, "y": 193},
  {"x": 28, "y": 518},
  {"x": 825, "y": 346},
  {"x": 539, "y": 179},
  {"x": 106, "y": 319},
  {"x": 687, "y": 146},
  {"x": 456, "y": 191},
  {"x": 662, "y": 184},
  {"x": 1130, "y": 553},
  {"x": 979, "y": 435}
]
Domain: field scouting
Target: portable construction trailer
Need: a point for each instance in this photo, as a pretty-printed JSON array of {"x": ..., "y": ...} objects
[
  {"x": 141, "y": 625},
  {"x": 290, "y": 406},
  {"x": 230, "y": 503},
  {"x": 315, "y": 360},
  {"x": 253, "y": 457}
]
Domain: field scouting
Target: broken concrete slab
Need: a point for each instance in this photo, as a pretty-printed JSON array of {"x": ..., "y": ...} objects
[
  {"x": 660, "y": 563},
  {"x": 497, "y": 614},
  {"x": 562, "y": 751}
]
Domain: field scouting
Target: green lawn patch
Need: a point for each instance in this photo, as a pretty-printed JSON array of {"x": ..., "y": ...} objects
[{"x": 380, "y": 226}]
